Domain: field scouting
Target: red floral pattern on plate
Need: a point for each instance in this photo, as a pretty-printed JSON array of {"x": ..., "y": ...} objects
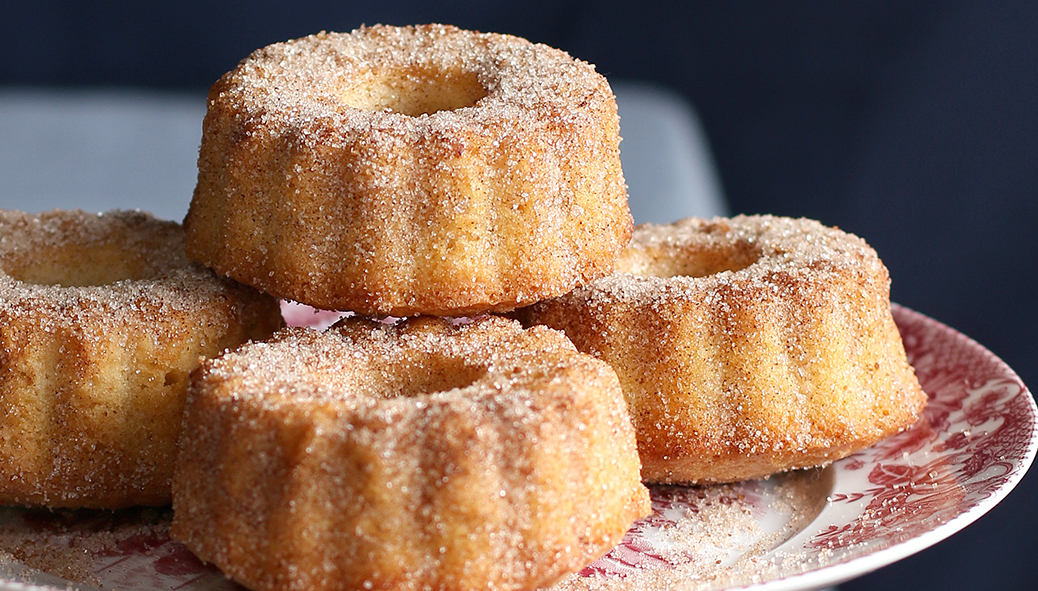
[{"x": 977, "y": 436}]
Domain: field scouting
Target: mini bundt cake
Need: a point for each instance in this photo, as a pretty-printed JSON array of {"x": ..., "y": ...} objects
[
  {"x": 410, "y": 170},
  {"x": 745, "y": 346},
  {"x": 102, "y": 319},
  {"x": 425, "y": 454}
]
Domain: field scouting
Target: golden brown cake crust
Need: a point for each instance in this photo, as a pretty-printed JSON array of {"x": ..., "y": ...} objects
[
  {"x": 421, "y": 455},
  {"x": 102, "y": 319},
  {"x": 410, "y": 170},
  {"x": 746, "y": 346}
]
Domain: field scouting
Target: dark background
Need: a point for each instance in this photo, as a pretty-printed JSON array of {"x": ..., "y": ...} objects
[{"x": 912, "y": 124}]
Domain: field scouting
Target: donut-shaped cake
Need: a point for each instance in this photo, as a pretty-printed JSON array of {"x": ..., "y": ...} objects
[
  {"x": 410, "y": 170},
  {"x": 422, "y": 455},
  {"x": 102, "y": 319},
  {"x": 746, "y": 346}
]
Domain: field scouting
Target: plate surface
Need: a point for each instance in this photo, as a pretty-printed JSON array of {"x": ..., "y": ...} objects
[{"x": 802, "y": 530}]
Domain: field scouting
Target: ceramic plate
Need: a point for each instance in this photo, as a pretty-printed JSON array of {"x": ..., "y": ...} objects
[{"x": 802, "y": 530}]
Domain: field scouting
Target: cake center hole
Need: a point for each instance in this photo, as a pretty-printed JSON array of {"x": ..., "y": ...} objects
[
  {"x": 75, "y": 265},
  {"x": 688, "y": 261},
  {"x": 431, "y": 373},
  {"x": 415, "y": 91}
]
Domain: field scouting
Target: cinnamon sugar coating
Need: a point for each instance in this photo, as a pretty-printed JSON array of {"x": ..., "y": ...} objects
[
  {"x": 746, "y": 346},
  {"x": 410, "y": 170},
  {"x": 102, "y": 319},
  {"x": 424, "y": 455}
]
